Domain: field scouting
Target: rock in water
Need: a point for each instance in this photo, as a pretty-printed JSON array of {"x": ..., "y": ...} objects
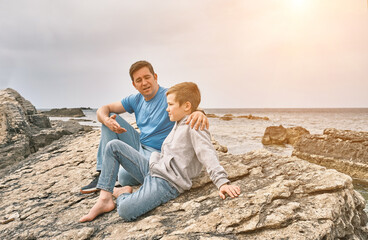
[
  {"x": 343, "y": 150},
  {"x": 282, "y": 198},
  {"x": 274, "y": 135},
  {"x": 294, "y": 133},
  {"x": 23, "y": 130},
  {"x": 280, "y": 135},
  {"x": 65, "y": 112}
]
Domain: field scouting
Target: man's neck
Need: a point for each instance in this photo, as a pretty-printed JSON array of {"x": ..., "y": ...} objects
[{"x": 153, "y": 95}]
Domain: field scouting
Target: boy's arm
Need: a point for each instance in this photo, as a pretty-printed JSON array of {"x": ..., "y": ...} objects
[{"x": 206, "y": 154}]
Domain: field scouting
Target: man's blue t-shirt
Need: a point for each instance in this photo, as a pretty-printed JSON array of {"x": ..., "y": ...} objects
[{"x": 151, "y": 117}]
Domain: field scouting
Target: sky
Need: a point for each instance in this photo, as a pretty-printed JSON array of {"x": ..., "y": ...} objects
[{"x": 241, "y": 53}]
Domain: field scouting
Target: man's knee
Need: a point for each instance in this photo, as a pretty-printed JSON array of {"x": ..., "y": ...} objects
[{"x": 114, "y": 144}]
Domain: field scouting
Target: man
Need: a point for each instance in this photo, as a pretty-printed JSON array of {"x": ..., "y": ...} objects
[{"x": 149, "y": 107}]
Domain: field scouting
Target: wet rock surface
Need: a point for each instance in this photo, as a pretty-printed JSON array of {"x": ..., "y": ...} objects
[
  {"x": 23, "y": 130},
  {"x": 278, "y": 135},
  {"x": 282, "y": 198},
  {"x": 344, "y": 150}
]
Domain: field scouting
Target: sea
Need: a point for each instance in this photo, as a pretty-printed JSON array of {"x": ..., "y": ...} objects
[{"x": 242, "y": 135}]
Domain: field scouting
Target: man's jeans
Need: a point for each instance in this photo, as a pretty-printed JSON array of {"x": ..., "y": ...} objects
[
  {"x": 131, "y": 137},
  {"x": 154, "y": 191}
]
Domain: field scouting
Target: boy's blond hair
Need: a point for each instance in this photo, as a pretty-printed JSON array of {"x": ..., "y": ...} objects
[{"x": 186, "y": 91}]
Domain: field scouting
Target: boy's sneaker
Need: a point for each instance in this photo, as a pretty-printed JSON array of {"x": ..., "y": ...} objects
[{"x": 91, "y": 187}]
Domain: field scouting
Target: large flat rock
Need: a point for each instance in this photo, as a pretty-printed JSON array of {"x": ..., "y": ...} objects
[
  {"x": 343, "y": 150},
  {"x": 282, "y": 198}
]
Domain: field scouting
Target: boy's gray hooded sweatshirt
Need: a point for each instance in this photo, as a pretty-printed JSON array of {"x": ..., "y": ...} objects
[{"x": 183, "y": 153}]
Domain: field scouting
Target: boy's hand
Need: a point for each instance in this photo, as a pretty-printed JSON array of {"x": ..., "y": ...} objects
[
  {"x": 231, "y": 190},
  {"x": 198, "y": 118},
  {"x": 113, "y": 125}
]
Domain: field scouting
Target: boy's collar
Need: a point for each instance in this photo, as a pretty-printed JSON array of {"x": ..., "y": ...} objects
[{"x": 180, "y": 122}]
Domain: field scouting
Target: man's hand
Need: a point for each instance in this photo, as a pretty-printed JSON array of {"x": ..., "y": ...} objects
[
  {"x": 231, "y": 190},
  {"x": 113, "y": 125},
  {"x": 198, "y": 119}
]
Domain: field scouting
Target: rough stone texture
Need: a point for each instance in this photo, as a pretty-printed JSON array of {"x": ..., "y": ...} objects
[
  {"x": 65, "y": 112},
  {"x": 23, "y": 130},
  {"x": 218, "y": 146},
  {"x": 343, "y": 150},
  {"x": 279, "y": 135},
  {"x": 294, "y": 133},
  {"x": 282, "y": 198}
]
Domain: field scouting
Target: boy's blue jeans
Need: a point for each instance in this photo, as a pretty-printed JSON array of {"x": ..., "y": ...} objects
[{"x": 154, "y": 191}]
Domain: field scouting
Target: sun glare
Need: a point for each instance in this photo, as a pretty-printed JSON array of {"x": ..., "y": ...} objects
[{"x": 298, "y": 5}]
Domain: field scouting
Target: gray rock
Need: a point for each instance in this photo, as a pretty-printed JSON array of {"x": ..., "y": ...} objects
[
  {"x": 343, "y": 150},
  {"x": 23, "y": 130},
  {"x": 65, "y": 112},
  {"x": 282, "y": 198}
]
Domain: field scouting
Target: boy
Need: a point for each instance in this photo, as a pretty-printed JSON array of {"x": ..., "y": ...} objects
[{"x": 168, "y": 173}]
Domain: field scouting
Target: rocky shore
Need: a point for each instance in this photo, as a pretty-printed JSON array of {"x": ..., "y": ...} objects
[
  {"x": 282, "y": 198},
  {"x": 343, "y": 150},
  {"x": 23, "y": 130}
]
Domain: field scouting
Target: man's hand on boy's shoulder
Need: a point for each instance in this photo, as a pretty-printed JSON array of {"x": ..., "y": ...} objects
[
  {"x": 197, "y": 119},
  {"x": 232, "y": 190}
]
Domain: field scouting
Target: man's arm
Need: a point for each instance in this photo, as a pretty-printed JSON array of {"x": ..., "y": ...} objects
[
  {"x": 103, "y": 116},
  {"x": 198, "y": 118}
]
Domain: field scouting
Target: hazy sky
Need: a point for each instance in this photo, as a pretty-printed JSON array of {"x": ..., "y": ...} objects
[{"x": 241, "y": 53}]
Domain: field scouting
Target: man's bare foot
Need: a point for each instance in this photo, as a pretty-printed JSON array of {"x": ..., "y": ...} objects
[
  {"x": 118, "y": 191},
  {"x": 102, "y": 205}
]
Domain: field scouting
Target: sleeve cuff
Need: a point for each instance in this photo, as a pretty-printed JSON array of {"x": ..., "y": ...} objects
[{"x": 221, "y": 182}]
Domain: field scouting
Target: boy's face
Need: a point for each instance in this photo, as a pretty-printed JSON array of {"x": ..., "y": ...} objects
[{"x": 176, "y": 112}]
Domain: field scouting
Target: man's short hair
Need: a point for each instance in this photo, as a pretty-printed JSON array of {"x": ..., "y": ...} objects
[
  {"x": 186, "y": 91},
  {"x": 138, "y": 65}
]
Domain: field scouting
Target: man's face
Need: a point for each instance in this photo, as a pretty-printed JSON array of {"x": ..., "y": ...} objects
[
  {"x": 176, "y": 112},
  {"x": 146, "y": 83}
]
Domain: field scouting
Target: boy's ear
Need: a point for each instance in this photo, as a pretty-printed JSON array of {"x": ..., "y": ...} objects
[{"x": 188, "y": 106}]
